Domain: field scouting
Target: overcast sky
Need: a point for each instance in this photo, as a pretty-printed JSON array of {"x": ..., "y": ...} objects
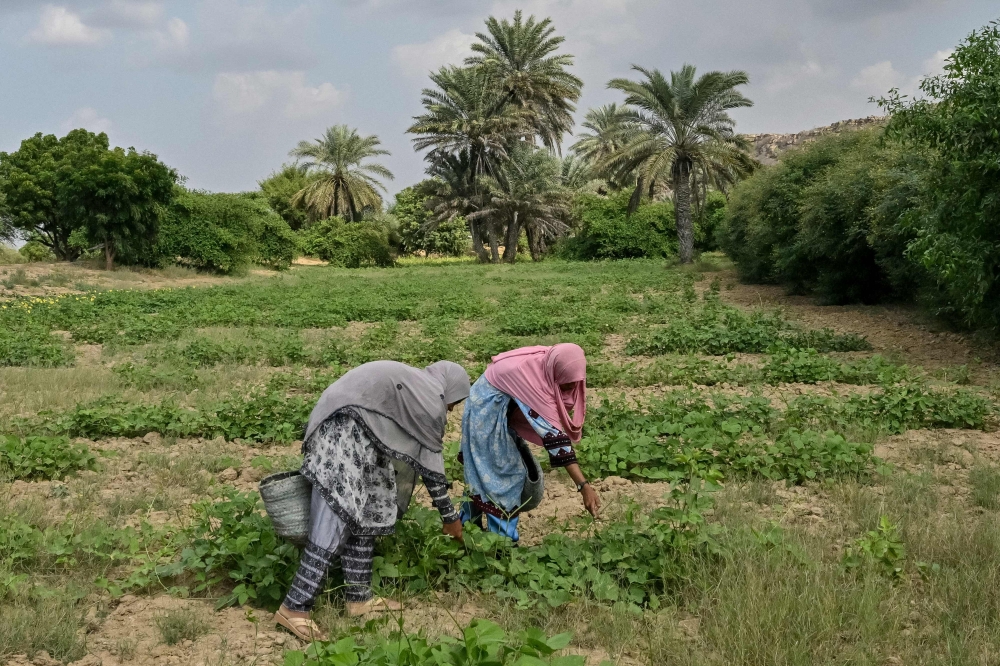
[{"x": 223, "y": 89}]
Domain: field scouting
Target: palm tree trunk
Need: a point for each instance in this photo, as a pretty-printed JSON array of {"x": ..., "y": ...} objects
[
  {"x": 682, "y": 211},
  {"x": 491, "y": 233},
  {"x": 477, "y": 242},
  {"x": 534, "y": 243},
  {"x": 510, "y": 244}
]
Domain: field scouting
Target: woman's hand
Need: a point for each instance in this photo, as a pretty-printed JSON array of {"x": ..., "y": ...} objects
[
  {"x": 591, "y": 500},
  {"x": 453, "y": 529}
]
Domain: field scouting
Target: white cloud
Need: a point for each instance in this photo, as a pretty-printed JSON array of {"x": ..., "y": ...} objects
[
  {"x": 58, "y": 26},
  {"x": 129, "y": 14},
  {"x": 87, "y": 118},
  {"x": 451, "y": 48},
  {"x": 791, "y": 74},
  {"x": 934, "y": 65},
  {"x": 266, "y": 92},
  {"x": 174, "y": 37},
  {"x": 879, "y": 78}
]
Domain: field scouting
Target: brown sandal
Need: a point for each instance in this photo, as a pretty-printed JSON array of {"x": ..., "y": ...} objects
[
  {"x": 374, "y": 605},
  {"x": 300, "y": 627}
]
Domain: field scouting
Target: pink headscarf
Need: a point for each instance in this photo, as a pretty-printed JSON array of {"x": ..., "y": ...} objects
[{"x": 533, "y": 375}]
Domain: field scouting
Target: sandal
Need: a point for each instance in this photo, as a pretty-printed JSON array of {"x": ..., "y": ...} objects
[
  {"x": 373, "y": 605},
  {"x": 300, "y": 627}
]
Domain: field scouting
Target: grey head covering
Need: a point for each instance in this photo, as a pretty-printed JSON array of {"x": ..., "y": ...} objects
[{"x": 395, "y": 399}]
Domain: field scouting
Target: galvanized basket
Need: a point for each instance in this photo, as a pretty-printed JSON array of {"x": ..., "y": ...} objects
[
  {"x": 287, "y": 497},
  {"x": 534, "y": 485}
]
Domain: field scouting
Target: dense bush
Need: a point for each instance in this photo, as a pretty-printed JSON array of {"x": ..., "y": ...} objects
[
  {"x": 280, "y": 187},
  {"x": 350, "y": 245},
  {"x": 606, "y": 231},
  {"x": 822, "y": 220},
  {"x": 954, "y": 221},
  {"x": 35, "y": 251},
  {"x": 908, "y": 211},
  {"x": 449, "y": 238},
  {"x": 709, "y": 219},
  {"x": 225, "y": 232}
]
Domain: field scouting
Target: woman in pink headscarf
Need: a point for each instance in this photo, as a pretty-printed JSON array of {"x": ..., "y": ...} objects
[{"x": 539, "y": 395}]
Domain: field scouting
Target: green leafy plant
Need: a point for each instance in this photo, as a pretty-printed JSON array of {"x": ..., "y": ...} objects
[
  {"x": 881, "y": 547},
  {"x": 33, "y": 458},
  {"x": 181, "y": 625},
  {"x": 483, "y": 643}
]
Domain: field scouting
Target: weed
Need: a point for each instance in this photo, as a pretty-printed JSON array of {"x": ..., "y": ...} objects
[
  {"x": 126, "y": 648},
  {"x": 881, "y": 547},
  {"x": 181, "y": 625},
  {"x": 985, "y": 480}
]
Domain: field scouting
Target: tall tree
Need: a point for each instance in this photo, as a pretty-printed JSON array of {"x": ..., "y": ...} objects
[
  {"x": 520, "y": 57},
  {"x": 680, "y": 130},
  {"x": 456, "y": 194},
  {"x": 121, "y": 198},
  {"x": 344, "y": 183},
  {"x": 525, "y": 194},
  {"x": 606, "y": 124},
  {"x": 468, "y": 128},
  {"x": 52, "y": 187}
]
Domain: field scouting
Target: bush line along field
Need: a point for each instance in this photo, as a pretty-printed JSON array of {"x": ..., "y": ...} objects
[{"x": 710, "y": 427}]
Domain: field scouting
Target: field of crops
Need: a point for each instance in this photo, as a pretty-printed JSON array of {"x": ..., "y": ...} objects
[{"x": 780, "y": 485}]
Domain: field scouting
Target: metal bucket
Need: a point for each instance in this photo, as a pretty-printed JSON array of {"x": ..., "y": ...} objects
[
  {"x": 534, "y": 485},
  {"x": 287, "y": 497}
]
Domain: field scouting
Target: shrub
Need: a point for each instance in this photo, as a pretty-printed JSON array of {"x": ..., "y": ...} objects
[
  {"x": 709, "y": 220},
  {"x": 280, "y": 187},
  {"x": 606, "y": 231},
  {"x": 350, "y": 245},
  {"x": 953, "y": 221},
  {"x": 28, "y": 344},
  {"x": 35, "y": 251},
  {"x": 449, "y": 238},
  {"x": 224, "y": 233}
]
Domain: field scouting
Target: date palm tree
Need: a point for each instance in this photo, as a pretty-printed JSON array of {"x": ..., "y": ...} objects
[
  {"x": 681, "y": 131},
  {"x": 455, "y": 193},
  {"x": 604, "y": 139},
  {"x": 345, "y": 185},
  {"x": 525, "y": 193},
  {"x": 519, "y": 58}
]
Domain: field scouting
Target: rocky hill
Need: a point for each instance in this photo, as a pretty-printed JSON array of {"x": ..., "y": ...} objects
[{"x": 767, "y": 147}]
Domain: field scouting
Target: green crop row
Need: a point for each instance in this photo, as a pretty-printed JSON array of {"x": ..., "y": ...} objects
[
  {"x": 483, "y": 643},
  {"x": 48, "y": 458},
  {"x": 806, "y": 366},
  {"x": 717, "y": 329}
]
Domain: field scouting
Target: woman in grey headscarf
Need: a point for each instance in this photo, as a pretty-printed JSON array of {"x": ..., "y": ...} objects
[{"x": 370, "y": 434}]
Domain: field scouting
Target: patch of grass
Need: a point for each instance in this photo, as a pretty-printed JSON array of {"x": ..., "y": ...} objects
[
  {"x": 181, "y": 625},
  {"x": 126, "y": 648},
  {"x": 40, "y": 620},
  {"x": 985, "y": 480}
]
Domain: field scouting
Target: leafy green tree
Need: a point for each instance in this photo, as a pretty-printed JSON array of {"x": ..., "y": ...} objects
[
  {"x": 357, "y": 245},
  {"x": 345, "y": 184},
  {"x": 121, "y": 197},
  {"x": 35, "y": 186},
  {"x": 525, "y": 194},
  {"x": 607, "y": 230},
  {"x": 519, "y": 57},
  {"x": 957, "y": 238},
  {"x": 680, "y": 131},
  {"x": 412, "y": 211},
  {"x": 280, "y": 189}
]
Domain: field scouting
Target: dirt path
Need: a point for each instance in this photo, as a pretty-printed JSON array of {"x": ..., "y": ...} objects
[{"x": 896, "y": 331}]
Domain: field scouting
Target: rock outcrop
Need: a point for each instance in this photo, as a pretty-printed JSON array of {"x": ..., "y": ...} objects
[{"x": 768, "y": 147}]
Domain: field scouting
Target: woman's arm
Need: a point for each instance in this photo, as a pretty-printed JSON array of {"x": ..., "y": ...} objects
[
  {"x": 441, "y": 501},
  {"x": 591, "y": 500}
]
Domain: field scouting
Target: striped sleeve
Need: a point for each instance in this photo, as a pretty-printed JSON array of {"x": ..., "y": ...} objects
[{"x": 441, "y": 501}]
